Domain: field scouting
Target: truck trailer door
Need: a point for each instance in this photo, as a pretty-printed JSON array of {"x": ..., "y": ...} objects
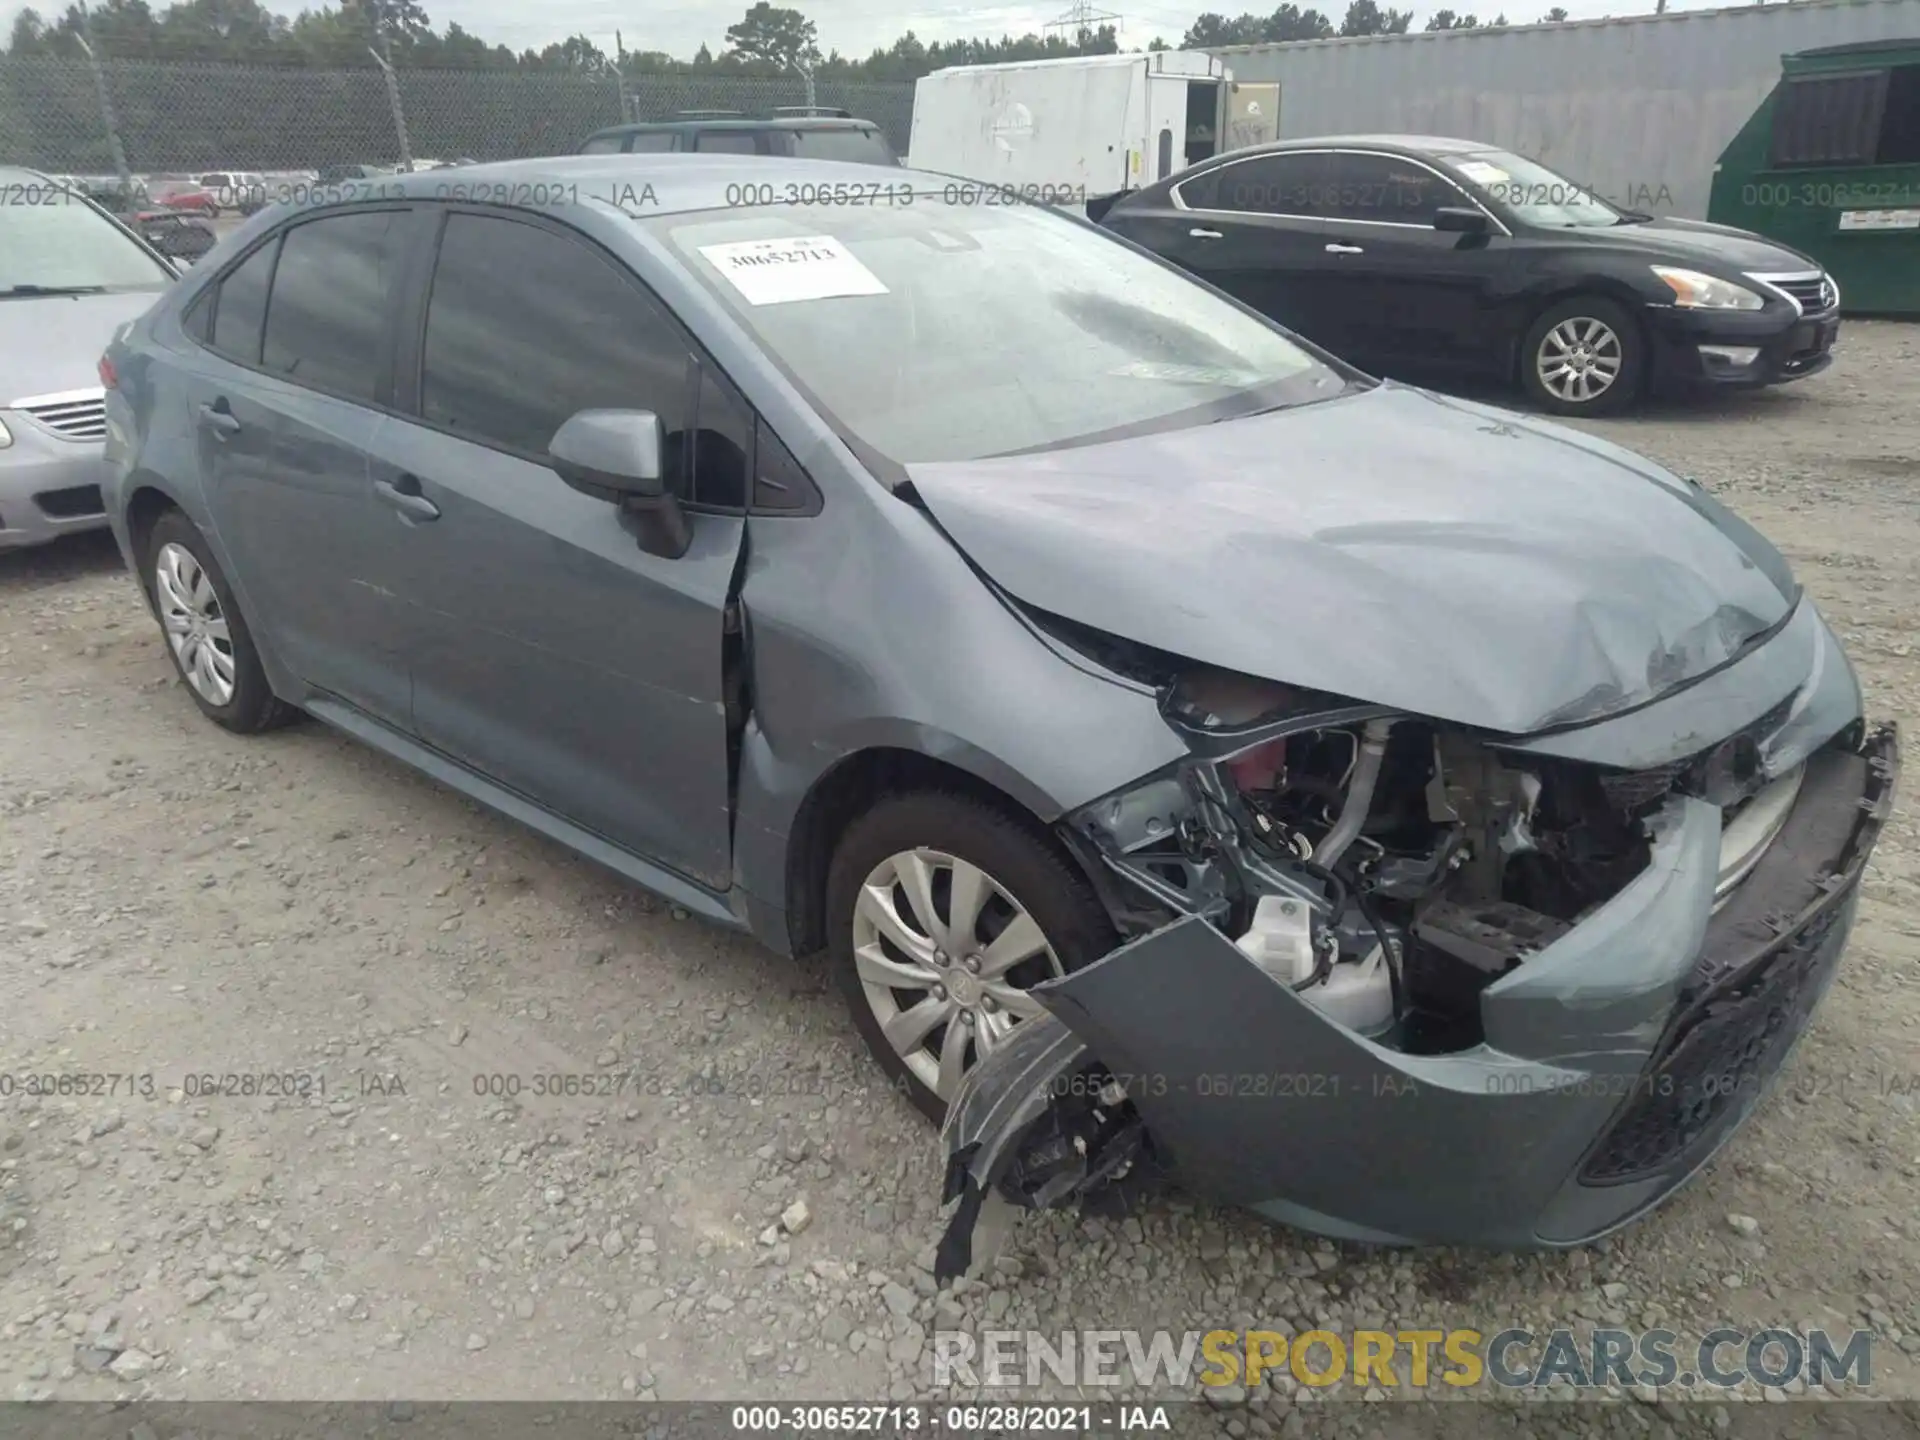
[
  {"x": 1250, "y": 115},
  {"x": 1182, "y": 113}
]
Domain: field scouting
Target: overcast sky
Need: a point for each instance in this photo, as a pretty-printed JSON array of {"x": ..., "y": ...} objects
[{"x": 855, "y": 27}]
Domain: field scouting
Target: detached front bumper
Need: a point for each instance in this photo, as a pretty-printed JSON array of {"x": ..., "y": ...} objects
[{"x": 1616, "y": 1060}]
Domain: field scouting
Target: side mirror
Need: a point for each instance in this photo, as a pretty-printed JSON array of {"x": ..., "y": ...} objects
[
  {"x": 617, "y": 456},
  {"x": 1459, "y": 220}
]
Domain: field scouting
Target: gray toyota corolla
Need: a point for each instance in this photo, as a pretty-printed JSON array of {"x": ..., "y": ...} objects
[{"x": 1199, "y": 760}]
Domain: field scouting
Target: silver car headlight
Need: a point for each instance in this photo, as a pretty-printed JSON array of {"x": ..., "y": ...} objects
[
  {"x": 6, "y": 435},
  {"x": 1696, "y": 291}
]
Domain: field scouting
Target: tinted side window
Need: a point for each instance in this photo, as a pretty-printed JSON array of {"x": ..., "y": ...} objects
[
  {"x": 327, "y": 318},
  {"x": 728, "y": 142},
  {"x": 778, "y": 481},
  {"x": 197, "y": 321},
  {"x": 241, "y": 304},
  {"x": 722, "y": 446},
  {"x": 526, "y": 326},
  {"x": 1384, "y": 188},
  {"x": 602, "y": 145},
  {"x": 1270, "y": 185},
  {"x": 651, "y": 142}
]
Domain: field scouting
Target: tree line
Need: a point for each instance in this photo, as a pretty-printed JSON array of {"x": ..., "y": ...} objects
[
  {"x": 1363, "y": 17},
  {"x": 767, "y": 40}
]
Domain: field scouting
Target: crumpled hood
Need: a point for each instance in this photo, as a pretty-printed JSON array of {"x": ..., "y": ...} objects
[
  {"x": 52, "y": 343},
  {"x": 1392, "y": 546}
]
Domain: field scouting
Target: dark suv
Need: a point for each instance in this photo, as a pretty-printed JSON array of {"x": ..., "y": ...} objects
[{"x": 809, "y": 132}]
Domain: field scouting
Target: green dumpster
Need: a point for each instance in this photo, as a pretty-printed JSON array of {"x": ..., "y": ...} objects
[{"x": 1830, "y": 164}]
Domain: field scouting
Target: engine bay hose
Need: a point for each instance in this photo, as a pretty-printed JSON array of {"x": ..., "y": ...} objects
[{"x": 1366, "y": 774}]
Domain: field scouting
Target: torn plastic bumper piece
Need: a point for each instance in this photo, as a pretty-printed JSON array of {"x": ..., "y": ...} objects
[
  {"x": 1616, "y": 1060},
  {"x": 1047, "y": 1129}
]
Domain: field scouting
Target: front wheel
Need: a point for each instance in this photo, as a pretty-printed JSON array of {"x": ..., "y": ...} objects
[
  {"x": 1584, "y": 356},
  {"x": 943, "y": 911}
]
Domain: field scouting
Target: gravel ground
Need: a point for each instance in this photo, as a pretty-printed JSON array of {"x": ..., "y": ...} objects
[{"x": 175, "y": 901}]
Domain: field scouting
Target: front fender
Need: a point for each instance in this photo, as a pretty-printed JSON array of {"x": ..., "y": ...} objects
[{"x": 867, "y": 629}]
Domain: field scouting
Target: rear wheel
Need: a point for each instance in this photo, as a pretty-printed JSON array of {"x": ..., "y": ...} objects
[
  {"x": 206, "y": 636},
  {"x": 1584, "y": 356},
  {"x": 943, "y": 912}
]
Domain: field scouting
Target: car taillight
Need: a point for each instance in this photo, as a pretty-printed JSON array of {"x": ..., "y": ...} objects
[{"x": 108, "y": 376}]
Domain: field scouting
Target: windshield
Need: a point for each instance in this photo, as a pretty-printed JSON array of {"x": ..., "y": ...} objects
[
  {"x": 933, "y": 331},
  {"x": 1531, "y": 193},
  {"x": 70, "y": 245}
]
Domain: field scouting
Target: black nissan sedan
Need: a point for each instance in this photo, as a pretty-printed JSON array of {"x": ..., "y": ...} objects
[{"x": 1416, "y": 253}]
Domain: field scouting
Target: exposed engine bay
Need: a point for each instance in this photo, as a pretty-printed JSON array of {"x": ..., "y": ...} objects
[{"x": 1385, "y": 868}]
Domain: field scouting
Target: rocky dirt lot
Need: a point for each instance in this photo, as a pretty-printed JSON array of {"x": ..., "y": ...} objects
[{"x": 754, "y": 1213}]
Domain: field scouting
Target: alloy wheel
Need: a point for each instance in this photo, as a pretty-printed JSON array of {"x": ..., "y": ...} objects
[
  {"x": 945, "y": 956},
  {"x": 1579, "y": 359},
  {"x": 196, "y": 627}
]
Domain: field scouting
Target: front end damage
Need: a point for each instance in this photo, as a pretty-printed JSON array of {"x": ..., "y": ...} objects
[{"x": 1391, "y": 980}]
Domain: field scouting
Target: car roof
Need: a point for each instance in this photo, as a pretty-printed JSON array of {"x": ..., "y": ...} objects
[
  {"x": 1409, "y": 144},
  {"x": 743, "y": 122},
  {"x": 639, "y": 185}
]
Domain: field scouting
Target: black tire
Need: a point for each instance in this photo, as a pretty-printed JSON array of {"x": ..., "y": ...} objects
[
  {"x": 1008, "y": 849},
  {"x": 253, "y": 706},
  {"x": 1628, "y": 383}
]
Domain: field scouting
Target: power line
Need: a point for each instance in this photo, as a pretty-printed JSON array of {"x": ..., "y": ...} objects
[{"x": 1082, "y": 18}]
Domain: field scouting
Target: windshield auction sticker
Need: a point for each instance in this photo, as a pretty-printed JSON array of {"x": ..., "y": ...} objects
[
  {"x": 1483, "y": 173},
  {"x": 800, "y": 267}
]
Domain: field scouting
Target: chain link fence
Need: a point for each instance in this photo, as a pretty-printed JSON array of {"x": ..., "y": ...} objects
[{"x": 174, "y": 118}]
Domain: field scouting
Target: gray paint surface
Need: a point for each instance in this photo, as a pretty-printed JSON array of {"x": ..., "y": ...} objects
[
  {"x": 1638, "y": 107},
  {"x": 1392, "y": 581}
]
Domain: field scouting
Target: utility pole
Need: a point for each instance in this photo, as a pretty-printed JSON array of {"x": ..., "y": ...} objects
[
  {"x": 805, "y": 68},
  {"x": 385, "y": 62},
  {"x": 1080, "y": 21},
  {"x": 106, "y": 104},
  {"x": 620, "y": 75}
]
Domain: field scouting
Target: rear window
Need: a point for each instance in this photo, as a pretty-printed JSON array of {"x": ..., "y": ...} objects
[
  {"x": 863, "y": 146},
  {"x": 652, "y": 142},
  {"x": 602, "y": 145}
]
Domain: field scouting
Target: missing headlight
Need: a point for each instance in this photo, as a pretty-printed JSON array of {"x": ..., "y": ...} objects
[{"x": 1384, "y": 867}]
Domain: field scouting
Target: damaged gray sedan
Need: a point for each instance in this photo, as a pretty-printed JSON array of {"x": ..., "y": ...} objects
[{"x": 1199, "y": 760}]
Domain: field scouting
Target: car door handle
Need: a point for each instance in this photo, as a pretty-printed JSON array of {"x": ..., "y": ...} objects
[
  {"x": 219, "y": 419},
  {"x": 1199, "y": 234},
  {"x": 404, "y": 496},
  {"x": 1346, "y": 250}
]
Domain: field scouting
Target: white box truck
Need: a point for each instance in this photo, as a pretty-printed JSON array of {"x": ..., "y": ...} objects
[{"x": 1086, "y": 127}]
